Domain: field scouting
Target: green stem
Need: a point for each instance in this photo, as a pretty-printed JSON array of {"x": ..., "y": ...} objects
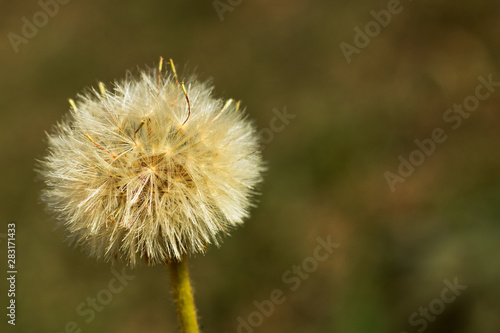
[{"x": 186, "y": 310}]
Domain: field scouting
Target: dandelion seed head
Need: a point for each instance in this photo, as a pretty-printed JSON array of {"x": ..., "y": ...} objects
[{"x": 138, "y": 174}]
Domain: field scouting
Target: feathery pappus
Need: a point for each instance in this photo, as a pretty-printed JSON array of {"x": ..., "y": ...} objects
[{"x": 151, "y": 170}]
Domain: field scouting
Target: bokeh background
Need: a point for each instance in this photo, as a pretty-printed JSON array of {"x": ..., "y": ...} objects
[{"x": 326, "y": 167}]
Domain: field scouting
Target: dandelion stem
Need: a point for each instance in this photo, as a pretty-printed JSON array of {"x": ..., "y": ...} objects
[{"x": 183, "y": 294}]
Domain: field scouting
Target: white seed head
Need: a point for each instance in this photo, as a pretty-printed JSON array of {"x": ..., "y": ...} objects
[{"x": 152, "y": 170}]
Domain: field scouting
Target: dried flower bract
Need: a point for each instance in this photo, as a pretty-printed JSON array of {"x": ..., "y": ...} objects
[{"x": 151, "y": 170}]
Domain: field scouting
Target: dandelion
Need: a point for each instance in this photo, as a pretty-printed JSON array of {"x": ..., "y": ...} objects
[{"x": 152, "y": 171}]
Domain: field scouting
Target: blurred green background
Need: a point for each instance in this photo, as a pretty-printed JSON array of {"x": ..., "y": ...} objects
[{"x": 326, "y": 167}]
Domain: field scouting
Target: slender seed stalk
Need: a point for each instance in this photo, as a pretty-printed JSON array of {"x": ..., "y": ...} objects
[{"x": 183, "y": 294}]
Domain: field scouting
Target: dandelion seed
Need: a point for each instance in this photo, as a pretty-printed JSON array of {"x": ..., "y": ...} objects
[{"x": 152, "y": 170}]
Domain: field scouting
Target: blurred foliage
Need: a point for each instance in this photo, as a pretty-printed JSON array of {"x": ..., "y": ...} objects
[{"x": 326, "y": 168}]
